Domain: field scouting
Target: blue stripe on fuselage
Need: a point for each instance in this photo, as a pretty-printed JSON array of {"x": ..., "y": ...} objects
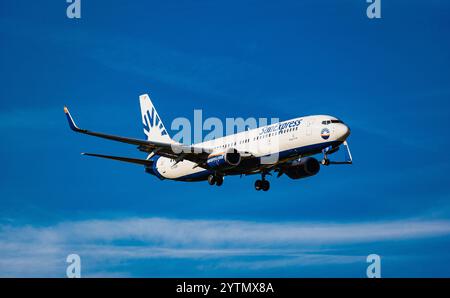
[
  {"x": 154, "y": 169},
  {"x": 310, "y": 149},
  {"x": 199, "y": 176}
]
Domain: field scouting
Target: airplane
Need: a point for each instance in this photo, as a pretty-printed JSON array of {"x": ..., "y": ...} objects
[{"x": 284, "y": 148}]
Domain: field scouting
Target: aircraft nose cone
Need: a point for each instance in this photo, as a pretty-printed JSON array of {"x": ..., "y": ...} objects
[{"x": 345, "y": 132}]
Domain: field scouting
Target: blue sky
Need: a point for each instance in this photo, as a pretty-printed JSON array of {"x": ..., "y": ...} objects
[{"x": 389, "y": 79}]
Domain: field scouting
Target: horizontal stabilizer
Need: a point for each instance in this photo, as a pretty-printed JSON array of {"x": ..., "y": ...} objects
[{"x": 143, "y": 162}]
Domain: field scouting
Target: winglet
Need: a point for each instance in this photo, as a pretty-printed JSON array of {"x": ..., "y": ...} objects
[
  {"x": 72, "y": 124},
  {"x": 348, "y": 154}
]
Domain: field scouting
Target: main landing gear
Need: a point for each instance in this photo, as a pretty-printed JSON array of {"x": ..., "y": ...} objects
[
  {"x": 215, "y": 179},
  {"x": 262, "y": 184}
]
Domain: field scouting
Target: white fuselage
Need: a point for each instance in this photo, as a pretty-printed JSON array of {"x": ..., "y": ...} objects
[{"x": 273, "y": 143}]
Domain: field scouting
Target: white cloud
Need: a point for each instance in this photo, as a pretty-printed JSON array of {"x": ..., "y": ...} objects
[{"x": 37, "y": 251}]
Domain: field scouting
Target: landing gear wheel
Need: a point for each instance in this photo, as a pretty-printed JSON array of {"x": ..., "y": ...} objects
[
  {"x": 219, "y": 180},
  {"x": 325, "y": 162},
  {"x": 258, "y": 184},
  {"x": 262, "y": 185},
  {"x": 211, "y": 180},
  {"x": 265, "y": 185}
]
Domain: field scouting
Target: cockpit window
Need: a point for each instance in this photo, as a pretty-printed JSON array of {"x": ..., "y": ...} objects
[{"x": 326, "y": 122}]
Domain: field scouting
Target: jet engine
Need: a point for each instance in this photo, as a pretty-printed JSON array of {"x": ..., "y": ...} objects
[
  {"x": 224, "y": 160},
  {"x": 302, "y": 168}
]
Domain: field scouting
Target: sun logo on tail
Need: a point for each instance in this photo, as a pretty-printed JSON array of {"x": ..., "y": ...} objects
[{"x": 152, "y": 120}]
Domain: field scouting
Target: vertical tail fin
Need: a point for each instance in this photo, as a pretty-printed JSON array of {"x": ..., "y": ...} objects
[{"x": 153, "y": 127}]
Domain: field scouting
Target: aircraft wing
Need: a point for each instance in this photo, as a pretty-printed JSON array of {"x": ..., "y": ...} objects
[
  {"x": 143, "y": 162},
  {"x": 172, "y": 150}
]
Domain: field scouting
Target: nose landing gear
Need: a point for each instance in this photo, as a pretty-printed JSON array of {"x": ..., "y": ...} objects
[{"x": 325, "y": 161}]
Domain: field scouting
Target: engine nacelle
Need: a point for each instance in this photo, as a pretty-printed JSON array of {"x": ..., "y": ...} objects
[
  {"x": 224, "y": 160},
  {"x": 302, "y": 168}
]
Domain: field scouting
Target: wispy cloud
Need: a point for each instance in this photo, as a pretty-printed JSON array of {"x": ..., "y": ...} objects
[
  {"x": 299, "y": 260},
  {"x": 37, "y": 251}
]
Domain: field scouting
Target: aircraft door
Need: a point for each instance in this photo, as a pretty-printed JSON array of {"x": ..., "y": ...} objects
[{"x": 309, "y": 125}]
